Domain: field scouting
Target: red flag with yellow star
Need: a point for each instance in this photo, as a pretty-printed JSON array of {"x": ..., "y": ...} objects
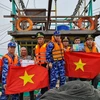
[
  {"x": 24, "y": 79},
  {"x": 82, "y": 65}
]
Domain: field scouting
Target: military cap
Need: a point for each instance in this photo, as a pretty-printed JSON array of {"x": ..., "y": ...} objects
[
  {"x": 66, "y": 39},
  {"x": 88, "y": 37},
  {"x": 40, "y": 34}
]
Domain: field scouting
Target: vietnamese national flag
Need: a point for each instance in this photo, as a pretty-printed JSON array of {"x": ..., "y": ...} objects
[
  {"x": 82, "y": 65},
  {"x": 24, "y": 79}
]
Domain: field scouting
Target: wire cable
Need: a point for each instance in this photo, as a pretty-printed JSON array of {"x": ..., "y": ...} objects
[
  {"x": 27, "y": 3},
  {"x": 34, "y": 4},
  {"x": 96, "y": 12},
  {"x": 16, "y": 4},
  {"x": 5, "y": 6},
  {"x": 77, "y": 7},
  {"x": 5, "y": 25},
  {"x": 4, "y": 31},
  {"x": 3, "y": 28},
  {"x": 3, "y": 37},
  {"x": 96, "y": 9},
  {"x": 22, "y": 4},
  {"x": 4, "y": 42},
  {"x": 85, "y": 7}
]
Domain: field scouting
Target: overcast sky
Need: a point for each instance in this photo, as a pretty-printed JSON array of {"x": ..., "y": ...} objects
[{"x": 65, "y": 7}]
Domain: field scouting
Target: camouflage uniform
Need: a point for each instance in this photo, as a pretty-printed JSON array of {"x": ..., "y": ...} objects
[
  {"x": 4, "y": 76},
  {"x": 57, "y": 71}
]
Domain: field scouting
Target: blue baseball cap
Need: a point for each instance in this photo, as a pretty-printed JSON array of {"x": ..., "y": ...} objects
[
  {"x": 57, "y": 33},
  {"x": 11, "y": 44}
]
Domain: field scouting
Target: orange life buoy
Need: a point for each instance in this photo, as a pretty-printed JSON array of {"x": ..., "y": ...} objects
[
  {"x": 92, "y": 24},
  {"x": 21, "y": 20}
]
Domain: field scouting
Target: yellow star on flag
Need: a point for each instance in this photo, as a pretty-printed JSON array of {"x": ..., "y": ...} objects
[
  {"x": 26, "y": 78},
  {"x": 79, "y": 65}
]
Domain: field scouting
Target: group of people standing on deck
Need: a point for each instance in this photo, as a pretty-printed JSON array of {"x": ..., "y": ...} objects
[{"x": 49, "y": 55}]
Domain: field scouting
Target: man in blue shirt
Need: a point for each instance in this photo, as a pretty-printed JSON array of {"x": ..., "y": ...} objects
[
  {"x": 55, "y": 59},
  {"x": 9, "y": 59}
]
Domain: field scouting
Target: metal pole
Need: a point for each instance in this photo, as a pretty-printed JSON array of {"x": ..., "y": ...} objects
[
  {"x": 49, "y": 13},
  {"x": 13, "y": 12},
  {"x": 19, "y": 4},
  {"x": 18, "y": 49},
  {"x": 91, "y": 8},
  {"x": 56, "y": 13},
  {"x": 84, "y": 7},
  {"x": 79, "y": 12},
  {"x": 55, "y": 7},
  {"x": 90, "y": 13}
]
